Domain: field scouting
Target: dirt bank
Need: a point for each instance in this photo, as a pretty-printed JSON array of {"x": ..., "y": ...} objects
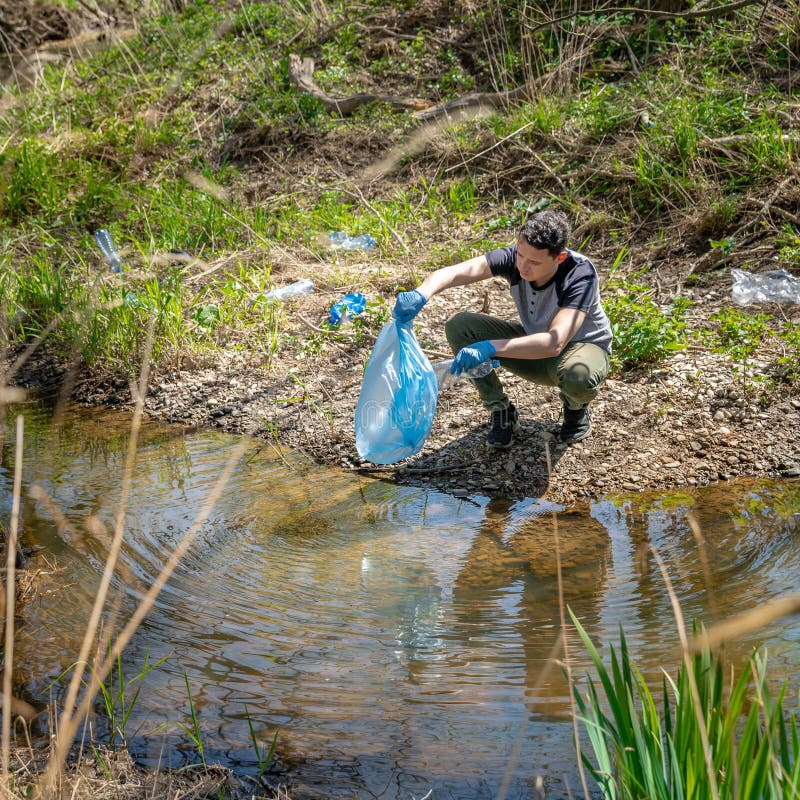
[{"x": 685, "y": 421}]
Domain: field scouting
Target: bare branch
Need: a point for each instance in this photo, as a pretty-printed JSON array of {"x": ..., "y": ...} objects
[{"x": 301, "y": 74}]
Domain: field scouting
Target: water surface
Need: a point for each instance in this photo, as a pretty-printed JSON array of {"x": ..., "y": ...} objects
[{"x": 398, "y": 639}]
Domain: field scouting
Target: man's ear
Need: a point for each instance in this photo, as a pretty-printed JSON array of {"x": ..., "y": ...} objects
[{"x": 562, "y": 255}]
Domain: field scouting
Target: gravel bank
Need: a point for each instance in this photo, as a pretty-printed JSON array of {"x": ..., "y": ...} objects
[{"x": 685, "y": 421}]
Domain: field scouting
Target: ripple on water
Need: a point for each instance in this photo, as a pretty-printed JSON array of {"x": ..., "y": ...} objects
[{"x": 398, "y": 637}]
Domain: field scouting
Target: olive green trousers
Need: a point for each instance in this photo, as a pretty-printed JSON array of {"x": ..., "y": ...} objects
[{"x": 577, "y": 372}]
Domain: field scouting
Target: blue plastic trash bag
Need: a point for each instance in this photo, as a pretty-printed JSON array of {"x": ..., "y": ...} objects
[
  {"x": 398, "y": 397},
  {"x": 351, "y": 304}
]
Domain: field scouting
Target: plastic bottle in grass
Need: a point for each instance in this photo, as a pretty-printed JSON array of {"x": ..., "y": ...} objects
[
  {"x": 106, "y": 245},
  {"x": 342, "y": 241},
  {"x": 303, "y": 286}
]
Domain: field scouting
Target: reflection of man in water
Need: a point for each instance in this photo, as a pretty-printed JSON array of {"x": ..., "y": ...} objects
[{"x": 507, "y": 552}]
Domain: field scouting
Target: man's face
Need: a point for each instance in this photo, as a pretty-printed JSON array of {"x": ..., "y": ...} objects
[{"x": 536, "y": 266}]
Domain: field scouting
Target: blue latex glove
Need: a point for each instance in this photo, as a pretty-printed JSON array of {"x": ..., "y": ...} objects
[
  {"x": 408, "y": 305},
  {"x": 472, "y": 355}
]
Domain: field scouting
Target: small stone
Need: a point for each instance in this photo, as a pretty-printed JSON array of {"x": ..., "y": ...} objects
[{"x": 719, "y": 416}]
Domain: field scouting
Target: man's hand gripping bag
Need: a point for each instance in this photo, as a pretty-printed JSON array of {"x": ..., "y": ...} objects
[{"x": 398, "y": 397}]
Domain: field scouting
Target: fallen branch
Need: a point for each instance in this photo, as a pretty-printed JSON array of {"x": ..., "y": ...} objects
[
  {"x": 764, "y": 210},
  {"x": 301, "y": 74},
  {"x": 476, "y": 100},
  {"x": 725, "y": 142}
]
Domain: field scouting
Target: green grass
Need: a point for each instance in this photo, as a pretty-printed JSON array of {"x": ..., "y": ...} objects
[
  {"x": 120, "y": 139},
  {"x": 704, "y": 734}
]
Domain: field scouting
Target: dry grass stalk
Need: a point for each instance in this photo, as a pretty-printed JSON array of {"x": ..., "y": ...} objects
[
  {"x": 11, "y": 559},
  {"x": 68, "y": 721},
  {"x": 687, "y": 660},
  {"x": 746, "y": 623},
  {"x": 562, "y": 611}
]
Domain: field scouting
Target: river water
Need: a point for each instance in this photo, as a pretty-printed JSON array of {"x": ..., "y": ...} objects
[{"x": 398, "y": 639}]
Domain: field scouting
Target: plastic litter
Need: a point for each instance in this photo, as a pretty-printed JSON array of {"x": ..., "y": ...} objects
[
  {"x": 340, "y": 240},
  {"x": 347, "y": 307},
  {"x": 397, "y": 402},
  {"x": 107, "y": 248},
  {"x": 303, "y": 286},
  {"x": 106, "y": 245},
  {"x": 774, "y": 286},
  {"x": 445, "y": 378}
]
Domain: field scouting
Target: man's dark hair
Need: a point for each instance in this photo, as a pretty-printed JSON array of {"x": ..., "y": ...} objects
[{"x": 546, "y": 230}]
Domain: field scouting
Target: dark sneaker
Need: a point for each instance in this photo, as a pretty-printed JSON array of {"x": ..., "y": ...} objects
[
  {"x": 503, "y": 424},
  {"x": 577, "y": 424}
]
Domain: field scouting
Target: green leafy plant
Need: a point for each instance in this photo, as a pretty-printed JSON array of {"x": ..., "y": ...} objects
[
  {"x": 738, "y": 334},
  {"x": 118, "y": 695},
  {"x": 641, "y": 751},
  {"x": 643, "y": 331}
]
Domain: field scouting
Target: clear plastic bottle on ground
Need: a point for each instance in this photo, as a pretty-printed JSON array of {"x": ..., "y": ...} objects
[
  {"x": 106, "y": 245},
  {"x": 303, "y": 286},
  {"x": 446, "y": 378}
]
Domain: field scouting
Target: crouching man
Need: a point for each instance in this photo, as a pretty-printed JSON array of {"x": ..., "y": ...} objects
[{"x": 563, "y": 337}]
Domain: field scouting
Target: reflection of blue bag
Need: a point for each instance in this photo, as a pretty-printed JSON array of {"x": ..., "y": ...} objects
[{"x": 398, "y": 397}]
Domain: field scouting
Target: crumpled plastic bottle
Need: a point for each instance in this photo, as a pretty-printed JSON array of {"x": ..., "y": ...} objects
[
  {"x": 106, "y": 245},
  {"x": 340, "y": 240},
  {"x": 445, "y": 378},
  {"x": 773, "y": 286},
  {"x": 347, "y": 307}
]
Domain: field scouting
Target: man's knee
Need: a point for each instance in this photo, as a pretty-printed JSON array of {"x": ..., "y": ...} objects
[
  {"x": 457, "y": 329},
  {"x": 578, "y": 379}
]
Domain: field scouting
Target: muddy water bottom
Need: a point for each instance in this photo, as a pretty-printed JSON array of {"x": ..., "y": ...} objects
[{"x": 398, "y": 639}]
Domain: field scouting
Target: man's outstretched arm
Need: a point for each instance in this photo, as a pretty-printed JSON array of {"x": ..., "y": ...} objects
[
  {"x": 471, "y": 271},
  {"x": 409, "y": 304}
]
